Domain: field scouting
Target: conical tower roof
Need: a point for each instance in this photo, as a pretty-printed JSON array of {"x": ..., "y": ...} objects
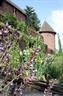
[{"x": 46, "y": 28}]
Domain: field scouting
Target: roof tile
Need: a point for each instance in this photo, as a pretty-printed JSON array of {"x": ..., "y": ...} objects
[{"x": 46, "y": 28}]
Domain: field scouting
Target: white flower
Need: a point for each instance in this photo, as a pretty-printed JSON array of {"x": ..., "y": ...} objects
[{"x": 20, "y": 52}]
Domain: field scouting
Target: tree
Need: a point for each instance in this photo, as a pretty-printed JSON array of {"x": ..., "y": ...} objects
[
  {"x": 59, "y": 43},
  {"x": 32, "y": 19}
]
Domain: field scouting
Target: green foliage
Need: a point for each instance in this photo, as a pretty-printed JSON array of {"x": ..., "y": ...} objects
[
  {"x": 59, "y": 43},
  {"x": 54, "y": 72},
  {"x": 28, "y": 44},
  {"x": 27, "y": 55},
  {"x": 58, "y": 64},
  {"x": 1, "y": 24},
  {"x": 11, "y": 19},
  {"x": 38, "y": 66},
  {"x": 31, "y": 44},
  {"x": 1, "y": 17},
  {"x": 32, "y": 19},
  {"x": 53, "y": 66},
  {"x": 24, "y": 38},
  {"x": 50, "y": 65},
  {"x": 36, "y": 42},
  {"x": 43, "y": 65},
  {"x": 15, "y": 55},
  {"x": 22, "y": 26}
]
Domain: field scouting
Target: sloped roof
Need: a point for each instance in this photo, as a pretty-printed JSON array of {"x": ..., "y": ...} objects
[
  {"x": 46, "y": 28},
  {"x": 13, "y": 4}
]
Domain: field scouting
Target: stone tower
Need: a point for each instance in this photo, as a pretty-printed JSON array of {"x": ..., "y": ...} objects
[{"x": 49, "y": 36}]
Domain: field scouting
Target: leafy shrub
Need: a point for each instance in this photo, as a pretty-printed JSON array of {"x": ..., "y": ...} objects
[
  {"x": 11, "y": 19},
  {"x": 22, "y": 26},
  {"x": 58, "y": 64},
  {"x": 15, "y": 55}
]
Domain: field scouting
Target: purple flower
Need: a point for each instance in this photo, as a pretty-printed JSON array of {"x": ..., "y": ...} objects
[
  {"x": 5, "y": 32},
  {"x": 1, "y": 47},
  {"x": 16, "y": 35}
]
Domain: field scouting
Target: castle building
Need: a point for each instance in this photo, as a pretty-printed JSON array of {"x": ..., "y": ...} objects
[
  {"x": 7, "y": 6},
  {"x": 48, "y": 34}
]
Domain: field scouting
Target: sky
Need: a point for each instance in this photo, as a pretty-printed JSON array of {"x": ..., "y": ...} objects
[{"x": 49, "y": 10}]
